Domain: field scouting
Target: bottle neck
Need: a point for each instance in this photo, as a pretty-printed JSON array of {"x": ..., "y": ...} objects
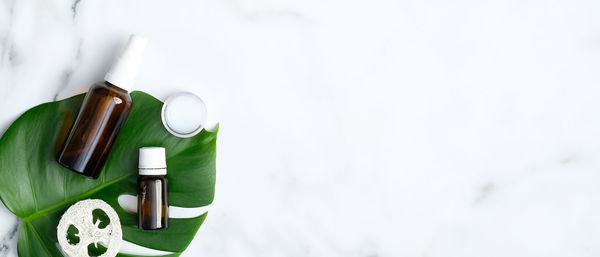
[
  {"x": 115, "y": 87},
  {"x": 152, "y": 171},
  {"x": 153, "y": 176}
]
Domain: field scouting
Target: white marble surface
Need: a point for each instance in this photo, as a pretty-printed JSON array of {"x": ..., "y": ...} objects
[{"x": 354, "y": 128}]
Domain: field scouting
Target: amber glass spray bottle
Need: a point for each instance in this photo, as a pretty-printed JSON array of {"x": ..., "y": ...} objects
[
  {"x": 102, "y": 114},
  {"x": 153, "y": 203}
]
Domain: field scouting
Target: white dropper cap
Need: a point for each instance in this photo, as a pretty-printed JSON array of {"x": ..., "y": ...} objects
[
  {"x": 152, "y": 161},
  {"x": 122, "y": 73}
]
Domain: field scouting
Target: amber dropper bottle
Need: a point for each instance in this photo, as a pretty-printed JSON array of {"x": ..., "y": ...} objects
[
  {"x": 103, "y": 112},
  {"x": 153, "y": 203}
]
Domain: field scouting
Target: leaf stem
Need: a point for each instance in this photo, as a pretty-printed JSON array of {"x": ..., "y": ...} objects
[{"x": 56, "y": 206}]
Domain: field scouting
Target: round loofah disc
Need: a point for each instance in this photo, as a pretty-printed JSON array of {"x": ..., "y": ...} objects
[{"x": 80, "y": 215}]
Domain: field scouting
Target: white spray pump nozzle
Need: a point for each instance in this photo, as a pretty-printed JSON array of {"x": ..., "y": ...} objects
[{"x": 122, "y": 73}]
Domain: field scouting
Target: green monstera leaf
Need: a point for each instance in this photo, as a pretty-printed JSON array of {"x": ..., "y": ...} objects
[{"x": 38, "y": 190}]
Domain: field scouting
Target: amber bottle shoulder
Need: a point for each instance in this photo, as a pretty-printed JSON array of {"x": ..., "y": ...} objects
[
  {"x": 105, "y": 88},
  {"x": 152, "y": 177}
]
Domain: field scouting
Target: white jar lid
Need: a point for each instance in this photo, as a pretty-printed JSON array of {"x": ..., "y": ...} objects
[{"x": 184, "y": 114}]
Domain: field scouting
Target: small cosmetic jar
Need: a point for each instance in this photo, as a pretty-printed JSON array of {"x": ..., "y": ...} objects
[{"x": 184, "y": 114}]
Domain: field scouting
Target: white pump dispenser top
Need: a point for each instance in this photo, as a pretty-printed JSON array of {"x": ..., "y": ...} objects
[{"x": 122, "y": 73}]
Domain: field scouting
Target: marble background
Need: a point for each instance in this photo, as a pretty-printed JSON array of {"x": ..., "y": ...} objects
[{"x": 354, "y": 128}]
